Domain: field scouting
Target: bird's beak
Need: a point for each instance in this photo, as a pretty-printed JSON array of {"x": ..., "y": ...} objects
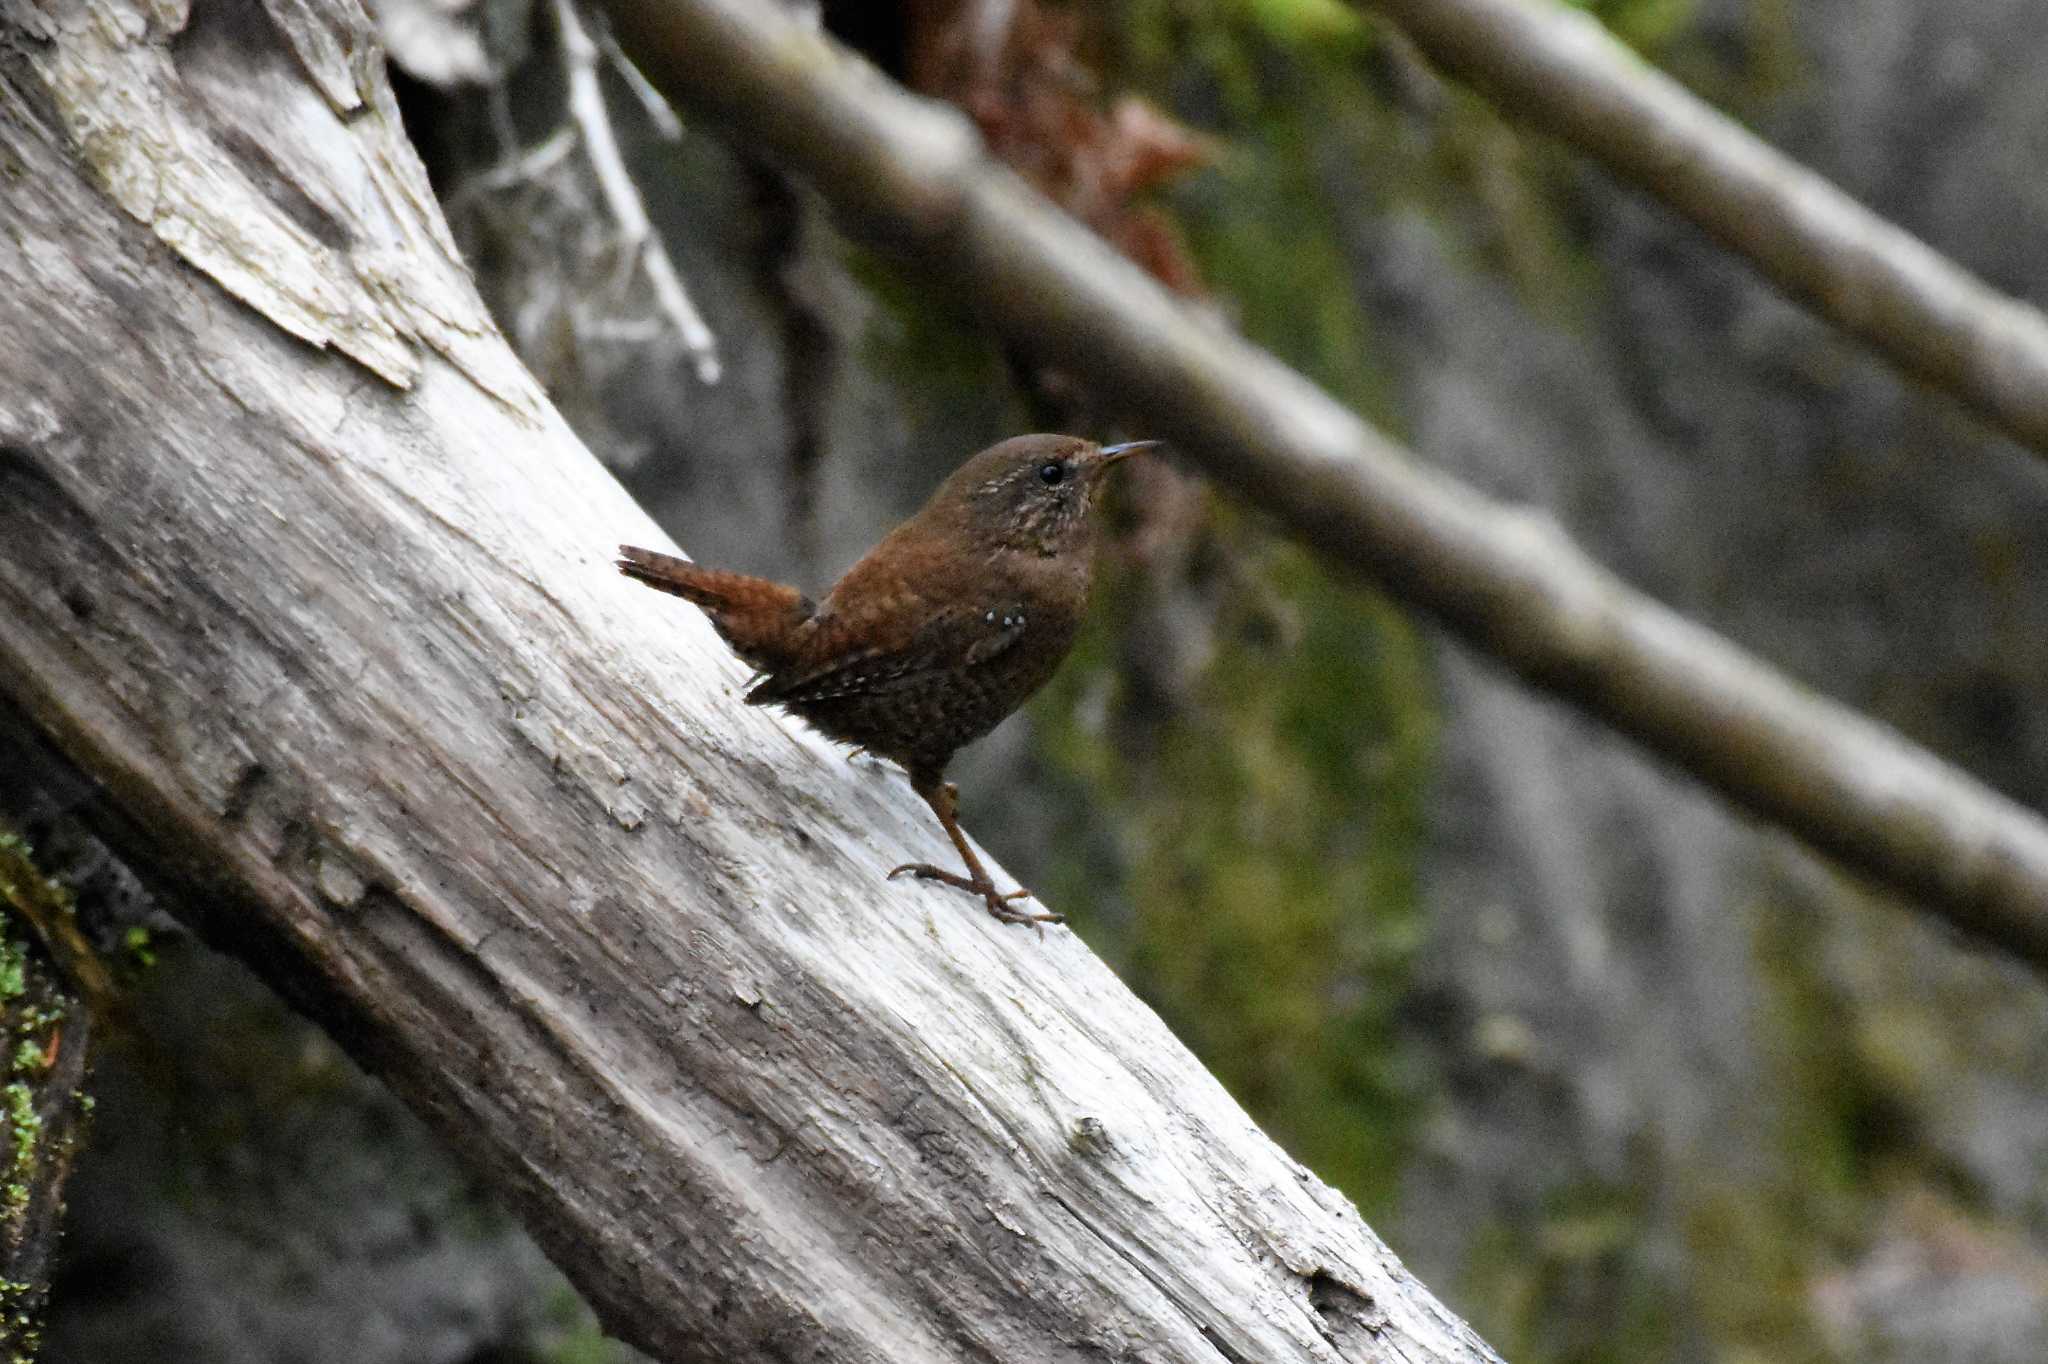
[{"x": 1112, "y": 453}]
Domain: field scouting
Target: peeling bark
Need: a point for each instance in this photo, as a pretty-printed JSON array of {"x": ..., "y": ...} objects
[
  {"x": 360, "y": 261},
  {"x": 299, "y": 567}
]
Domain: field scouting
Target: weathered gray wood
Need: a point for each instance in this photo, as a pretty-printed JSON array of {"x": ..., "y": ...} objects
[{"x": 336, "y": 631}]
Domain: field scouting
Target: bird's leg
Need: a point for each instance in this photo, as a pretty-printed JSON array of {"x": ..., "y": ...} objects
[{"x": 944, "y": 799}]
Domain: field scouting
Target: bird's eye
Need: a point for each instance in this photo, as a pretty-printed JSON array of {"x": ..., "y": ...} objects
[{"x": 1052, "y": 473}]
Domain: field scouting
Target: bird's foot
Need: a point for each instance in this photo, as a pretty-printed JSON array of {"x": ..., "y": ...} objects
[{"x": 998, "y": 903}]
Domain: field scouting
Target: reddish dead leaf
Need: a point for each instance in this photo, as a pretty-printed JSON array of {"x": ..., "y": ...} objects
[{"x": 1015, "y": 67}]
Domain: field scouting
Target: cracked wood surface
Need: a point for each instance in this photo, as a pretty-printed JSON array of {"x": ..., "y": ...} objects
[{"x": 300, "y": 568}]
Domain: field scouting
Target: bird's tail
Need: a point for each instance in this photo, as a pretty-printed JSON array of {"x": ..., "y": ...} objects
[{"x": 757, "y": 617}]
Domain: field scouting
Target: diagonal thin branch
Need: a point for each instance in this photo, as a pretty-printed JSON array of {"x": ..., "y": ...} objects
[
  {"x": 911, "y": 173},
  {"x": 642, "y": 247},
  {"x": 1557, "y": 70},
  {"x": 660, "y": 113}
]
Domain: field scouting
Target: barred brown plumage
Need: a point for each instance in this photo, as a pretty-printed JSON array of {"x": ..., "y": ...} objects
[{"x": 938, "y": 633}]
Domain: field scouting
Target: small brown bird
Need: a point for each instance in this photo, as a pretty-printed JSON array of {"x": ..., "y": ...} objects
[{"x": 944, "y": 628}]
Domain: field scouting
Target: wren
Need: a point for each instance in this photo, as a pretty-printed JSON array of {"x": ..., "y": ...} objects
[{"x": 940, "y": 631}]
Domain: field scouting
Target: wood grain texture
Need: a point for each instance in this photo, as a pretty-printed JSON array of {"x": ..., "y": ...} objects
[{"x": 332, "y": 623}]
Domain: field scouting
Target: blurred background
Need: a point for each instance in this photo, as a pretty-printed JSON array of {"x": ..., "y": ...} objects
[{"x": 1621, "y": 1076}]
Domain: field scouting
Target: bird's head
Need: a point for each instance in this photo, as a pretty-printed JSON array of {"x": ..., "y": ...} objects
[{"x": 1032, "y": 493}]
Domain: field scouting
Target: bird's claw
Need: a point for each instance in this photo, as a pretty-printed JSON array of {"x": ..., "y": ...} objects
[{"x": 998, "y": 902}]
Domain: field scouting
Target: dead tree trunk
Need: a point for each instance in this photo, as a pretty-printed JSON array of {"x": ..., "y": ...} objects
[{"x": 300, "y": 568}]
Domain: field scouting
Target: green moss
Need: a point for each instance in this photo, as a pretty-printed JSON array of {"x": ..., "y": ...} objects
[
  {"x": 1570, "y": 1286},
  {"x": 1646, "y": 25},
  {"x": 1305, "y": 21},
  {"x": 33, "y": 1003},
  {"x": 1311, "y": 159},
  {"x": 1586, "y": 1284},
  {"x": 590, "y": 1346},
  {"x": 25, "y": 1020},
  {"x": 1265, "y": 901},
  {"x": 24, "y": 893},
  {"x": 1281, "y": 74},
  {"x": 571, "y": 1335},
  {"x": 1221, "y": 40},
  {"x": 950, "y": 381},
  {"x": 1834, "y": 1129},
  {"x": 24, "y": 1131},
  {"x": 13, "y": 969},
  {"x": 1754, "y": 1258},
  {"x": 17, "y": 1321},
  {"x": 1755, "y": 1239},
  {"x": 1775, "y": 57}
]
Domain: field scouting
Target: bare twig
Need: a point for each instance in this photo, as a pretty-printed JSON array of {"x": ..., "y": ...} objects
[
  {"x": 667, "y": 125},
  {"x": 1556, "y": 69},
  {"x": 523, "y": 168},
  {"x": 642, "y": 248},
  {"x": 909, "y": 172}
]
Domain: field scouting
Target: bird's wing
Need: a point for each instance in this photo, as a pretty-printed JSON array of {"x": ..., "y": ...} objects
[{"x": 947, "y": 640}]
